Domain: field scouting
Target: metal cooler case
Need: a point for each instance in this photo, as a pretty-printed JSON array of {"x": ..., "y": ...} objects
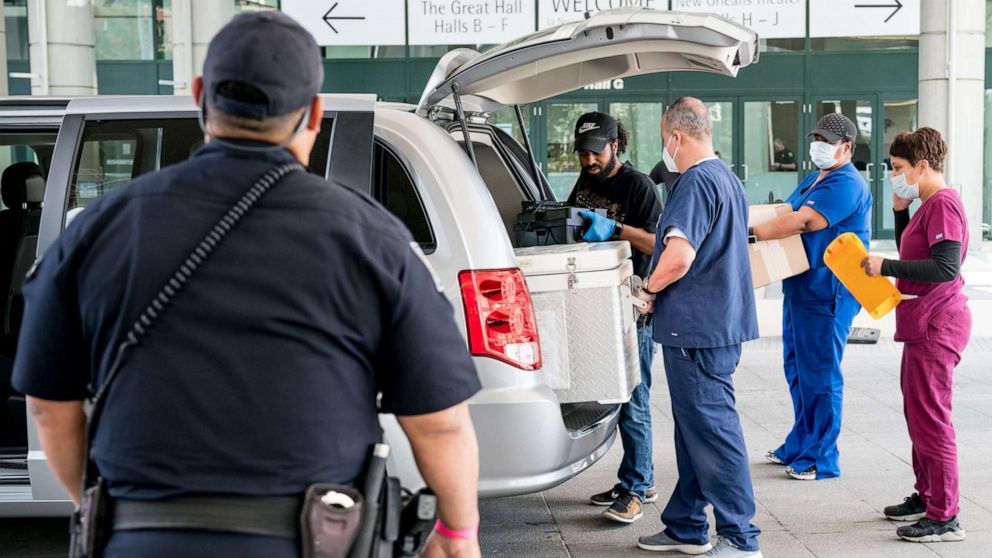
[{"x": 585, "y": 319}]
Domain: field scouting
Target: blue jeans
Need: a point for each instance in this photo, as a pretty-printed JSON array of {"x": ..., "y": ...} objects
[
  {"x": 709, "y": 449},
  {"x": 636, "y": 472}
]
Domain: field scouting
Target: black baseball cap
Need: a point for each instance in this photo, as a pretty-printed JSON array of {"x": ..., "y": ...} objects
[
  {"x": 268, "y": 51},
  {"x": 835, "y": 127},
  {"x": 593, "y": 131}
]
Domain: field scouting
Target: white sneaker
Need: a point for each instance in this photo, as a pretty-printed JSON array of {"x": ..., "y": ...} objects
[{"x": 808, "y": 474}]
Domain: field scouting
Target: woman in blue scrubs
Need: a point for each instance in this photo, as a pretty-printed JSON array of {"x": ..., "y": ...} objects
[{"x": 818, "y": 310}]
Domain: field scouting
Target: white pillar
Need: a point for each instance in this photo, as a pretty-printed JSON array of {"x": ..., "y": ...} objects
[
  {"x": 193, "y": 25},
  {"x": 61, "y": 42},
  {"x": 952, "y": 90}
]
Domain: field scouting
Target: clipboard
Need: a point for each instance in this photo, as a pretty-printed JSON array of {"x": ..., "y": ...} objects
[{"x": 877, "y": 295}]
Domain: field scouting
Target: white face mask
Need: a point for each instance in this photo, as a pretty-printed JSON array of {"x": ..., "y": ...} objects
[
  {"x": 902, "y": 188},
  {"x": 822, "y": 154},
  {"x": 670, "y": 159}
]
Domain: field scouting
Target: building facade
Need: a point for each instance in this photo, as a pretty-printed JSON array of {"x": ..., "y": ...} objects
[{"x": 860, "y": 67}]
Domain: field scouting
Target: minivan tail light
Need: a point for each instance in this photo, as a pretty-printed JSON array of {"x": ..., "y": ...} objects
[{"x": 499, "y": 317}]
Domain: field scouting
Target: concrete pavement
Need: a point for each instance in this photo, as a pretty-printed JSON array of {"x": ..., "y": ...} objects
[{"x": 830, "y": 518}]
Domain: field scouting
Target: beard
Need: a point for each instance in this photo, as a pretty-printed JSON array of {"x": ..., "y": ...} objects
[{"x": 602, "y": 175}]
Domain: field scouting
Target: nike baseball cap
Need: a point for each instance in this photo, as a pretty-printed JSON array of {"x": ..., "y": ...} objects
[
  {"x": 835, "y": 127},
  {"x": 593, "y": 131},
  {"x": 289, "y": 71}
]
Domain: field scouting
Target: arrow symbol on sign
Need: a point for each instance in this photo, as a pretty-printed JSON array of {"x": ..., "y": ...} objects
[
  {"x": 897, "y": 6},
  {"x": 328, "y": 18}
]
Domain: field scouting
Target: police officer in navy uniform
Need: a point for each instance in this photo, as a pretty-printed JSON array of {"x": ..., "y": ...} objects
[
  {"x": 263, "y": 376},
  {"x": 704, "y": 309}
]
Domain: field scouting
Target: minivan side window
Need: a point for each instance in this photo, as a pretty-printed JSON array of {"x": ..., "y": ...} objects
[
  {"x": 393, "y": 187},
  {"x": 113, "y": 152}
]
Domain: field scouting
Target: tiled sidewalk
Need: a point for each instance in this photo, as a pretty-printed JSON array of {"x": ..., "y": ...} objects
[{"x": 835, "y": 518}]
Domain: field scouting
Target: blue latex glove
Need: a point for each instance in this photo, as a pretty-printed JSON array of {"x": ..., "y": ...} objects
[{"x": 600, "y": 228}]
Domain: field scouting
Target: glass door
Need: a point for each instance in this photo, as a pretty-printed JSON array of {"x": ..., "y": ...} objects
[
  {"x": 642, "y": 120},
  {"x": 563, "y": 165},
  {"x": 724, "y": 142},
  {"x": 897, "y": 116},
  {"x": 861, "y": 111},
  {"x": 771, "y": 138}
]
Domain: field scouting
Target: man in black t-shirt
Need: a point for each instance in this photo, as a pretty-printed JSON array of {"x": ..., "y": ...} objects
[{"x": 633, "y": 208}]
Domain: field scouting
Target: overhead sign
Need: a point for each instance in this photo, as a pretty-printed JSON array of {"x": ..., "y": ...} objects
[
  {"x": 608, "y": 85},
  {"x": 771, "y": 19},
  {"x": 555, "y": 12},
  {"x": 863, "y": 18},
  {"x": 473, "y": 22},
  {"x": 350, "y": 22}
]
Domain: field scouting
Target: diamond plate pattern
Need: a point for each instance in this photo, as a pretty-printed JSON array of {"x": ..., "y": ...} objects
[{"x": 588, "y": 354}]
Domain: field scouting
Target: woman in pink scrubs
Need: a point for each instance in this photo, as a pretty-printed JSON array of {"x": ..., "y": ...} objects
[{"x": 933, "y": 322}]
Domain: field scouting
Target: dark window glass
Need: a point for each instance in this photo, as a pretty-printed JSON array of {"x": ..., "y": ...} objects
[
  {"x": 113, "y": 152},
  {"x": 865, "y": 43},
  {"x": 15, "y": 18},
  {"x": 393, "y": 187},
  {"x": 782, "y": 45},
  {"x": 133, "y": 29},
  {"x": 255, "y": 5},
  {"x": 34, "y": 147}
]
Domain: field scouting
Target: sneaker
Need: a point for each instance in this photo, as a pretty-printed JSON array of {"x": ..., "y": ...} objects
[
  {"x": 772, "y": 458},
  {"x": 607, "y": 498},
  {"x": 927, "y": 530},
  {"x": 911, "y": 509},
  {"x": 808, "y": 474},
  {"x": 660, "y": 542},
  {"x": 651, "y": 496},
  {"x": 725, "y": 549},
  {"x": 625, "y": 509}
]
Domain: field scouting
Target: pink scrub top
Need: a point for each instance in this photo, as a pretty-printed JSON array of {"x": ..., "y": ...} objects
[{"x": 940, "y": 218}]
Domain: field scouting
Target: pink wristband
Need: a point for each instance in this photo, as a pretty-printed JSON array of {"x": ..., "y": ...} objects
[{"x": 467, "y": 534}]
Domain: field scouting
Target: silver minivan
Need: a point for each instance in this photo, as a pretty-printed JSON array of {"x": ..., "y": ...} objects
[{"x": 455, "y": 178}]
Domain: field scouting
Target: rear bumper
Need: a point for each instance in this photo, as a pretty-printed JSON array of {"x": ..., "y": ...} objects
[{"x": 524, "y": 445}]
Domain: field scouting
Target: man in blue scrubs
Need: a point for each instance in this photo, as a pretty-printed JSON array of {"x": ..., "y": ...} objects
[
  {"x": 818, "y": 310},
  {"x": 704, "y": 309}
]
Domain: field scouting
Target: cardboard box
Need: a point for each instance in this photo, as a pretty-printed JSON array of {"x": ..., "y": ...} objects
[{"x": 774, "y": 260}]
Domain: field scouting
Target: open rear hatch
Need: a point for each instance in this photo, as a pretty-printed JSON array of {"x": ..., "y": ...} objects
[
  {"x": 581, "y": 292},
  {"x": 610, "y": 44}
]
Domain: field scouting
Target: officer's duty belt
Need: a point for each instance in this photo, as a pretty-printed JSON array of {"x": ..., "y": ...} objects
[{"x": 248, "y": 515}]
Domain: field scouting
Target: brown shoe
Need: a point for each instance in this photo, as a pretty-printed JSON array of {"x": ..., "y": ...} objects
[{"x": 625, "y": 509}]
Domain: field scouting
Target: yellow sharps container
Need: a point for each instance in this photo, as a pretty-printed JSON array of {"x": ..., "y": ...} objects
[{"x": 876, "y": 294}]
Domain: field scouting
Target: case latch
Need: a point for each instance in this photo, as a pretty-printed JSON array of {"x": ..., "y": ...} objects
[{"x": 573, "y": 279}]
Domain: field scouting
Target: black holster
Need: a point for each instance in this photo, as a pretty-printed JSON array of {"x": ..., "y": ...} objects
[
  {"x": 333, "y": 532},
  {"x": 327, "y": 530},
  {"x": 91, "y": 525}
]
